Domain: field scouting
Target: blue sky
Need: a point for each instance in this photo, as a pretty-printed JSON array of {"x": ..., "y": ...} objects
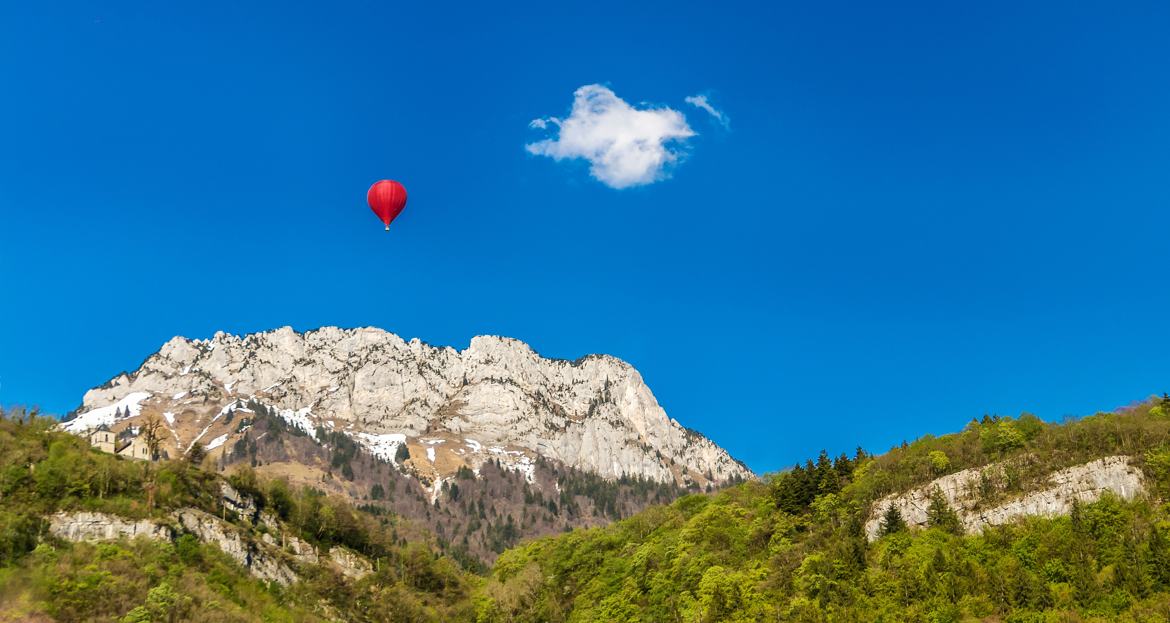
[{"x": 917, "y": 213}]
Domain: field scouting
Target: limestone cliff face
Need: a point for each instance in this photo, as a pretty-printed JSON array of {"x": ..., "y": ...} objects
[
  {"x": 261, "y": 561},
  {"x": 263, "y": 553},
  {"x": 93, "y": 527},
  {"x": 1083, "y": 483},
  {"x": 257, "y": 559},
  {"x": 496, "y": 399}
]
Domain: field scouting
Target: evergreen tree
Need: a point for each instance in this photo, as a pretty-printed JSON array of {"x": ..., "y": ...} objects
[
  {"x": 196, "y": 453},
  {"x": 826, "y": 477},
  {"x": 843, "y": 466},
  {"x": 940, "y": 514},
  {"x": 1159, "y": 557},
  {"x": 892, "y": 521},
  {"x": 791, "y": 490}
]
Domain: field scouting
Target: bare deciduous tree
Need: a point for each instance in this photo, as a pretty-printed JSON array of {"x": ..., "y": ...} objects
[{"x": 151, "y": 437}]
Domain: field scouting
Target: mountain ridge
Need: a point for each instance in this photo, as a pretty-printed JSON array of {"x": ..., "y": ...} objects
[{"x": 372, "y": 381}]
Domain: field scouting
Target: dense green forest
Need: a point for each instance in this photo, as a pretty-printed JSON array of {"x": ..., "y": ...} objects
[{"x": 789, "y": 547}]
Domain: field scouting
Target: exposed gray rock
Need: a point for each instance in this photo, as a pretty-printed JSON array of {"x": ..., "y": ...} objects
[
  {"x": 303, "y": 551},
  {"x": 262, "y": 560},
  {"x": 269, "y": 520},
  {"x": 92, "y": 527},
  {"x": 238, "y": 503},
  {"x": 497, "y": 399},
  {"x": 1084, "y": 483},
  {"x": 210, "y": 529},
  {"x": 350, "y": 564}
]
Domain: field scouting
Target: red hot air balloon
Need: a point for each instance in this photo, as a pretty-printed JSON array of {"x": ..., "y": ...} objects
[{"x": 386, "y": 199}]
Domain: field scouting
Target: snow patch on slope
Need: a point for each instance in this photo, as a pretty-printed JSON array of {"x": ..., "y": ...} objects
[
  {"x": 525, "y": 466},
  {"x": 300, "y": 419},
  {"x": 383, "y": 446},
  {"x": 107, "y": 415}
]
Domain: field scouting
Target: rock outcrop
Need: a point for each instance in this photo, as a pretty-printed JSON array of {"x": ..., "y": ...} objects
[
  {"x": 262, "y": 559},
  {"x": 302, "y": 551},
  {"x": 238, "y": 503},
  {"x": 349, "y": 563},
  {"x": 495, "y": 400},
  {"x": 258, "y": 560},
  {"x": 1081, "y": 483},
  {"x": 93, "y": 527}
]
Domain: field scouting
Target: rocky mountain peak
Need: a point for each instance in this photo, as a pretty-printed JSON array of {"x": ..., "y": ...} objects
[{"x": 495, "y": 400}]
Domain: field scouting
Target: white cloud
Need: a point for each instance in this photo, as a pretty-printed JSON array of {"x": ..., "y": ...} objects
[
  {"x": 625, "y": 146},
  {"x": 701, "y": 101}
]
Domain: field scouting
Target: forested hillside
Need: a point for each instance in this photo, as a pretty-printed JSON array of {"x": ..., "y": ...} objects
[
  {"x": 43, "y": 578},
  {"x": 792, "y": 548},
  {"x": 475, "y": 516}
]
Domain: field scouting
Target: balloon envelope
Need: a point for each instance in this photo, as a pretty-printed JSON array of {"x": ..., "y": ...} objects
[{"x": 387, "y": 198}]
